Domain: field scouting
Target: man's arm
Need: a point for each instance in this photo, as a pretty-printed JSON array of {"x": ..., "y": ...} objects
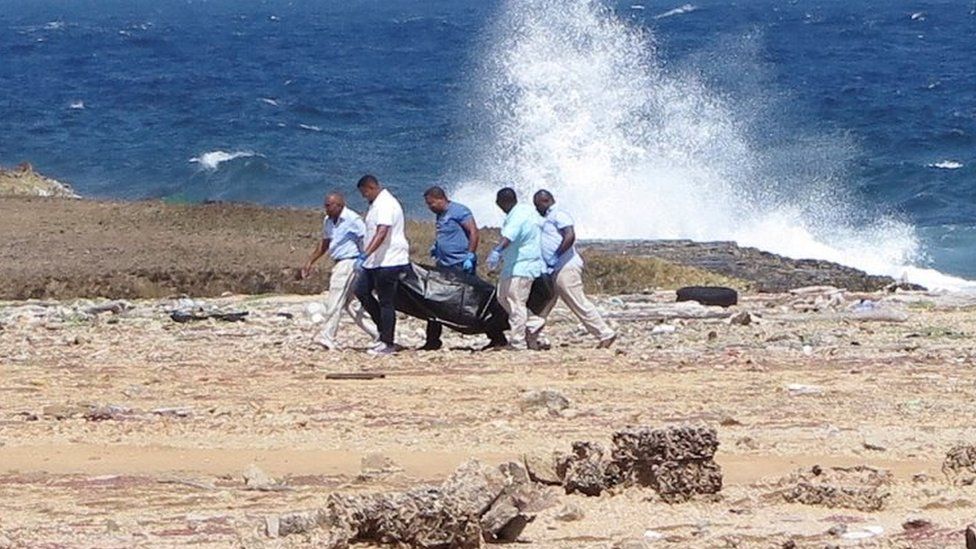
[
  {"x": 382, "y": 231},
  {"x": 319, "y": 251},
  {"x": 471, "y": 229},
  {"x": 569, "y": 238}
]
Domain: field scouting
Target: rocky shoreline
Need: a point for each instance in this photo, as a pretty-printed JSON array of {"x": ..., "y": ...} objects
[
  {"x": 764, "y": 271},
  {"x": 60, "y": 249}
]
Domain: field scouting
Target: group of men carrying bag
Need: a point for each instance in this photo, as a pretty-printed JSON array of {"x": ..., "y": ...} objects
[{"x": 372, "y": 276}]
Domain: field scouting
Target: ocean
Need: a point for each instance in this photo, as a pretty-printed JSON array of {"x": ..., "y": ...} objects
[{"x": 835, "y": 130}]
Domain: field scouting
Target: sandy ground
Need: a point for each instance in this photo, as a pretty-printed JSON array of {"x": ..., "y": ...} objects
[{"x": 193, "y": 405}]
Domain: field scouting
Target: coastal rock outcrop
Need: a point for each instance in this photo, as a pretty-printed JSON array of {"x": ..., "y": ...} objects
[{"x": 24, "y": 181}]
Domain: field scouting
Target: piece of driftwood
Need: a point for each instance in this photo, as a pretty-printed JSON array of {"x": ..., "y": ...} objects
[
  {"x": 183, "y": 317},
  {"x": 355, "y": 375}
]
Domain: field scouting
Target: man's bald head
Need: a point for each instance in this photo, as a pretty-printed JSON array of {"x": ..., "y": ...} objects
[{"x": 334, "y": 203}]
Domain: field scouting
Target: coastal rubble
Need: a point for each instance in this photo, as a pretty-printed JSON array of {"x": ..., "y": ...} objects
[
  {"x": 477, "y": 503},
  {"x": 959, "y": 465},
  {"x": 860, "y": 487}
]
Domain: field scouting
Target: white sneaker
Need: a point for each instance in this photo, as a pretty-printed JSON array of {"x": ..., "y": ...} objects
[{"x": 385, "y": 350}]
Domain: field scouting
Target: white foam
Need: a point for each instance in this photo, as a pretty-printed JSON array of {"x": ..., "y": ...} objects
[
  {"x": 918, "y": 16},
  {"x": 213, "y": 159},
  {"x": 946, "y": 165},
  {"x": 269, "y": 101},
  {"x": 577, "y": 102},
  {"x": 77, "y": 105},
  {"x": 687, "y": 8},
  {"x": 310, "y": 127}
]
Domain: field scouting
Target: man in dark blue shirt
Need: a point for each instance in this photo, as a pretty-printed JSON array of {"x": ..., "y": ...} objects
[{"x": 454, "y": 246}]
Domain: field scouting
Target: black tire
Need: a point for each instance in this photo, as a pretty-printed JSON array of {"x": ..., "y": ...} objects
[{"x": 709, "y": 295}]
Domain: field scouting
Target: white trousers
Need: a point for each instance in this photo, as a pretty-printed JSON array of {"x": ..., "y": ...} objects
[
  {"x": 513, "y": 293},
  {"x": 342, "y": 296},
  {"x": 569, "y": 288}
]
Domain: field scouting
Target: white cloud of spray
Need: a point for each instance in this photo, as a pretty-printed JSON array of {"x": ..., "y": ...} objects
[{"x": 574, "y": 99}]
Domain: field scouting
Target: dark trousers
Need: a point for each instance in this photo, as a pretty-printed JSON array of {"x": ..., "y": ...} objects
[
  {"x": 384, "y": 281},
  {"x": 434, "y": 328}
]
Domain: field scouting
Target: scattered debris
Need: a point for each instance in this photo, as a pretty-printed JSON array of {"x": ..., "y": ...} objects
[
  {"x": 663, "y": 329},
  {"x": 355, "y": 375},
  {"x": 959, "y": 465},
  {"x": 584, "y": 471},
  {"x": 376, "y": 465},
  {"x": 743, "y": 318},
  {"x": 176, "y": 411},
  {"x": 477, "y": 503},
  {"x": 109, "y": 412},
  {"x": 258, "y": 480},
  {"x": 864, "y": 533},
  {"x": 190, "y": 483},
  {"x": 569, "y": 513},
  {"x": 916, "y": 523},
  {"x": 183, "y": 317},
  {"x": 551, "y": 400},
  {"x": 115, "y": 307},
  {"x": 861, "y": 487},
  {"x": 873, "y": 444},
  {"x": 541, "y": 468},
  {"x": 799, "y": 389}
]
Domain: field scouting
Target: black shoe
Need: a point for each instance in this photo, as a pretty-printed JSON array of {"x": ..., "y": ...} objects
[
  {"x": 496, "y": 344},
  {"x": 431, "y": 346}
]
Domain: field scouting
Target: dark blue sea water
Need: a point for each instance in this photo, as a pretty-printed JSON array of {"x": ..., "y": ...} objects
[{"x": 277, "y": 101}]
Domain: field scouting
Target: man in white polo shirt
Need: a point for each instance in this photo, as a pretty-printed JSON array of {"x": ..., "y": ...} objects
[
  {"x": 342, "y": 238},
  {"x": 386, "y": 257}
]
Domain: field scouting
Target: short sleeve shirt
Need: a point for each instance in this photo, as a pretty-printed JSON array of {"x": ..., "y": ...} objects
[
  {"x": 554, "y": 221},
  {"x": 345, "y": 235},
  {"x": 395, "y": 250},
  {"x": 451, "y": 243},
  {"x": 523, "y": 256}
]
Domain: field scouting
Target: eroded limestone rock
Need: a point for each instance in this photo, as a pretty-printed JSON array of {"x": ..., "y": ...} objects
[{"x": 863, "y": 488}]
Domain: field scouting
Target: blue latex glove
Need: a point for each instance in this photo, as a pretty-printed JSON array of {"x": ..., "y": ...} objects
[
  {"x": 470, "y": 262},
  {"x": 551, "y": 264},
  {"x": 359, "y": 261},
  {"x": 494, "y": 258}
]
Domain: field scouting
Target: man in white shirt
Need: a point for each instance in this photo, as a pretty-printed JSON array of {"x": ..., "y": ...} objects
[
  {"x": 342, "y": 238},
  {"x": 566, "y": 266},
  {"x": 383, "y": 261}
]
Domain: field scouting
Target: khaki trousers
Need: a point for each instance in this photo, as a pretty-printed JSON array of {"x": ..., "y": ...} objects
[
  {"x": 342, "y": 297},
  {"x": 569, "y": 288},
  {"x": 513, "y": 293}
]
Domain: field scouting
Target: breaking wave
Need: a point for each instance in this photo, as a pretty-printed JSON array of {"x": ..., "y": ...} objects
[
  {"x": 212, "y": 160},
  {"x": 576, "y": 100}
]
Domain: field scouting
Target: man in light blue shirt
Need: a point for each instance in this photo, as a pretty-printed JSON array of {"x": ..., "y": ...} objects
[
  {"x": 342, "y": 239},
  {"x": 521, "y": 251},
  {"x": 566, "y": 266}
]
